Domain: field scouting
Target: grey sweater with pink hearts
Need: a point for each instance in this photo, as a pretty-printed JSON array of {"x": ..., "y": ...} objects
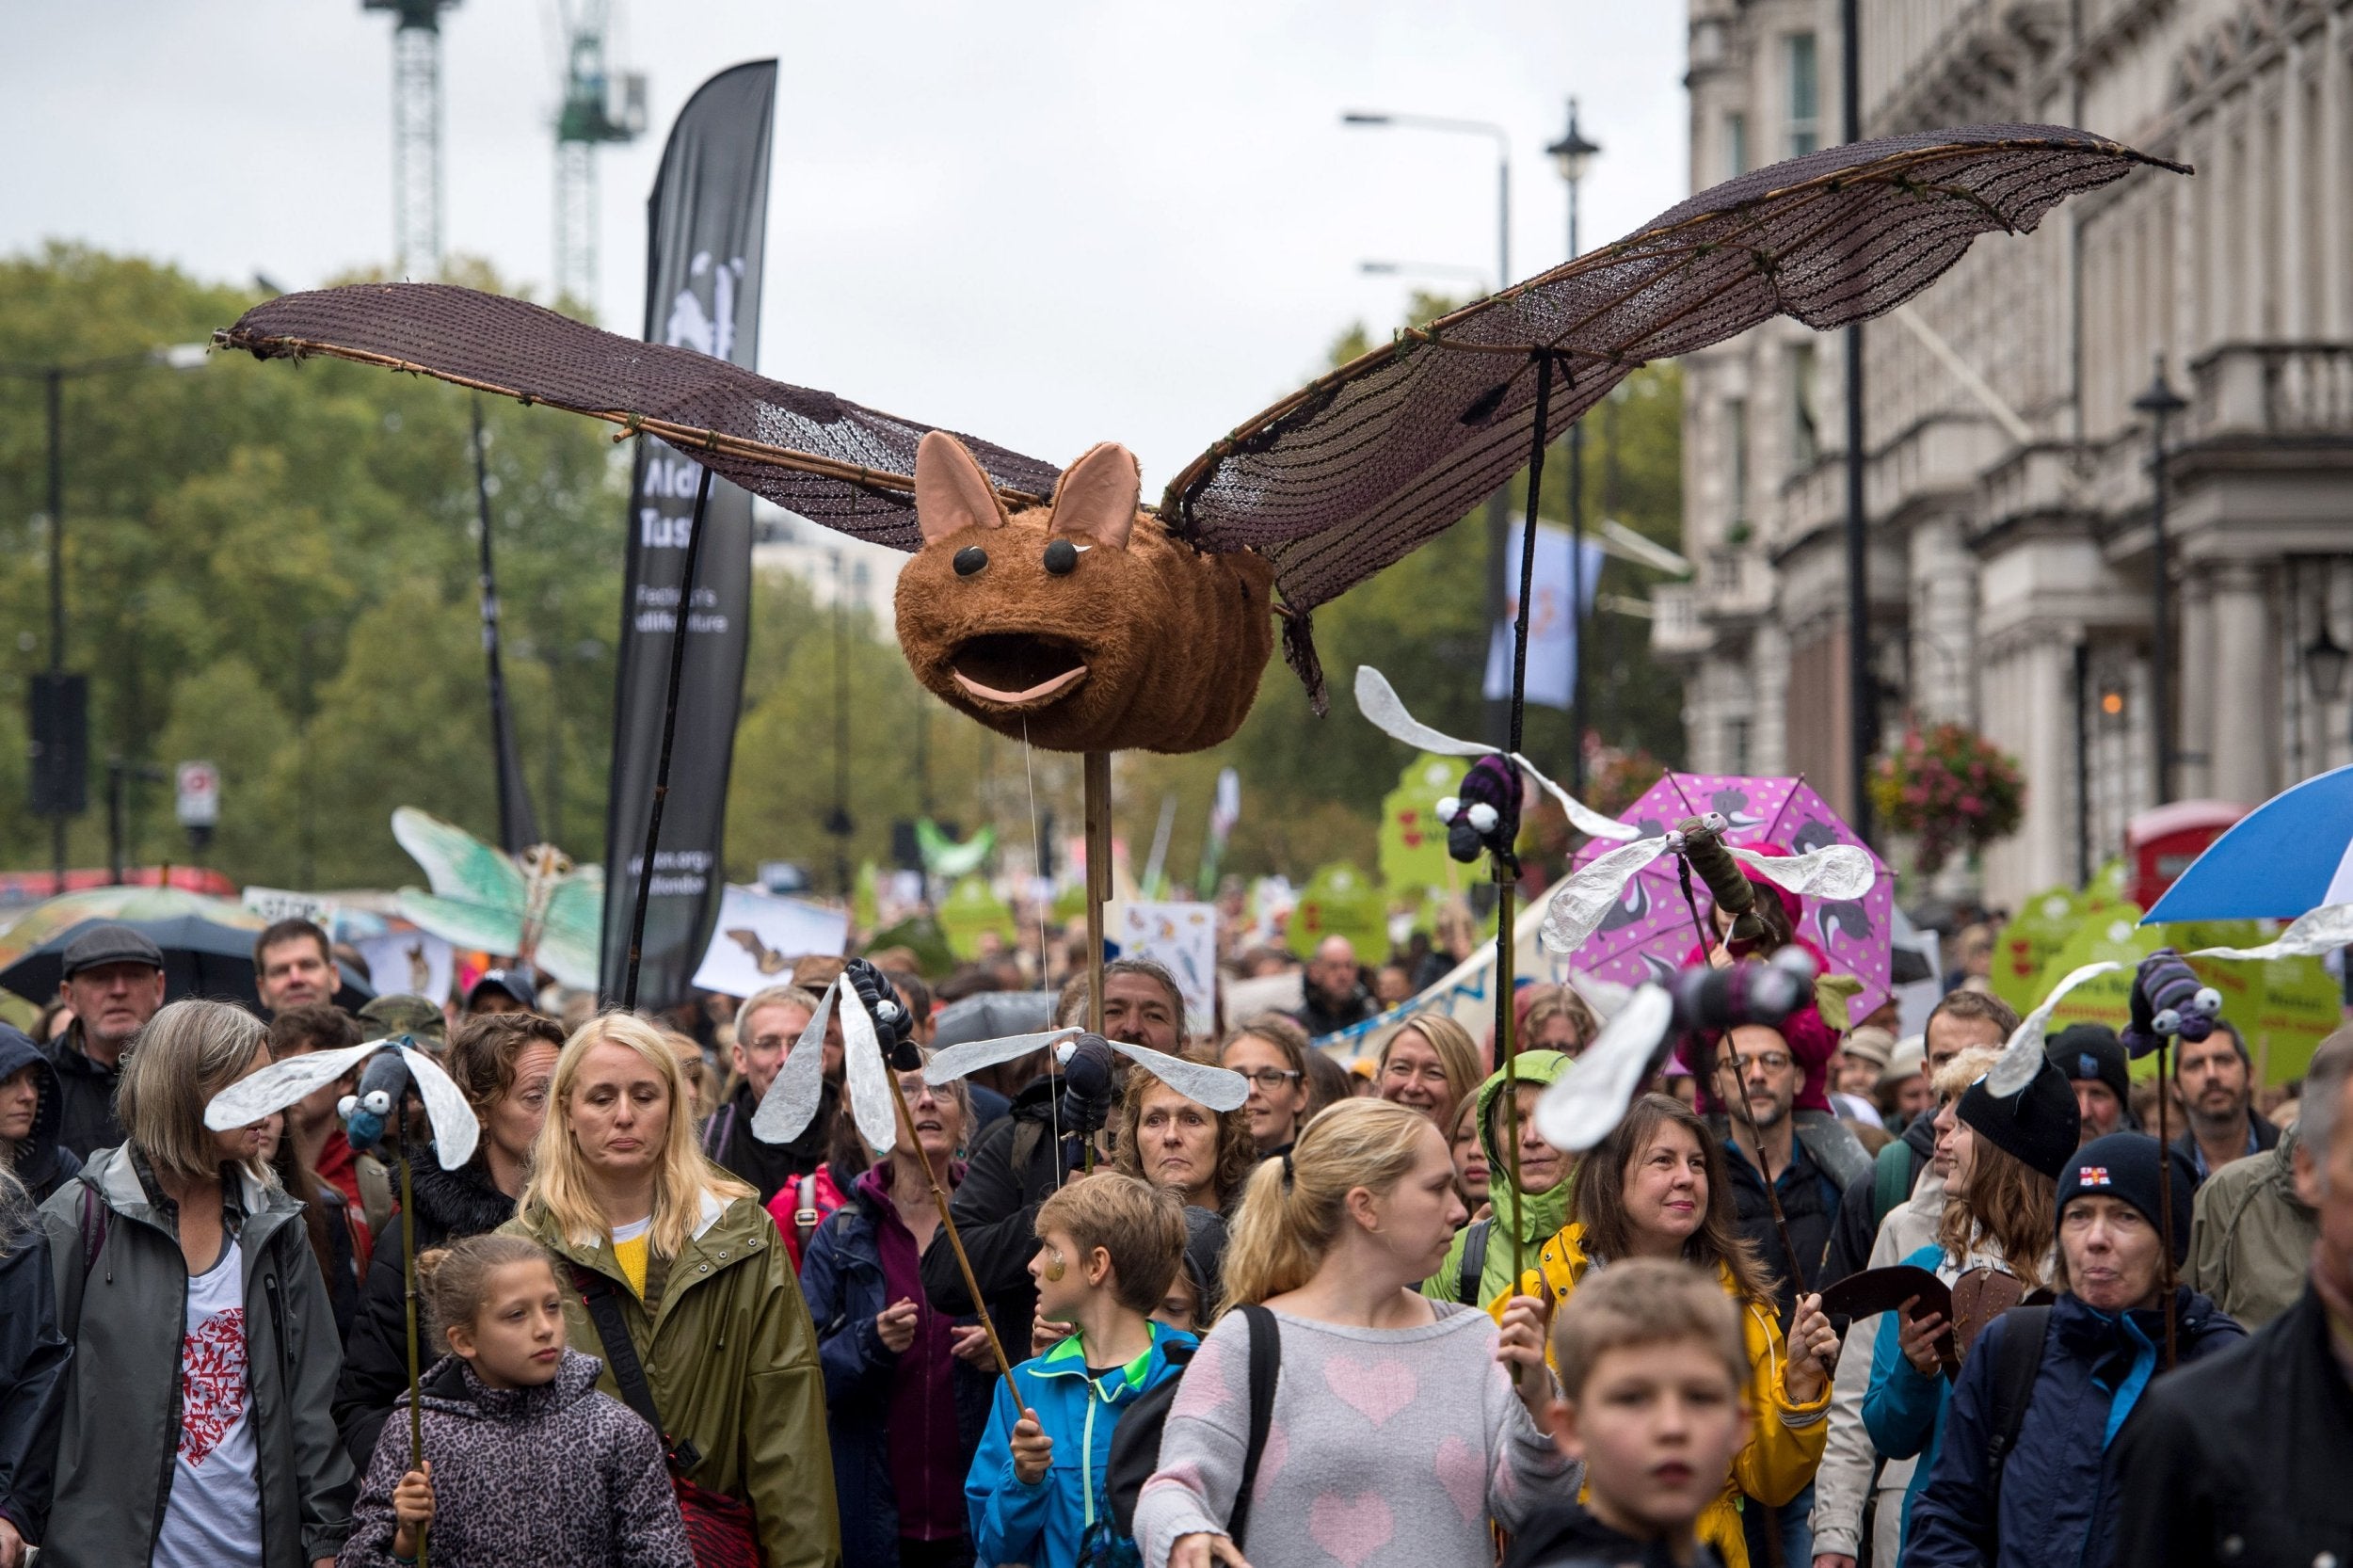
[{"x": 1388, "y": 1449}]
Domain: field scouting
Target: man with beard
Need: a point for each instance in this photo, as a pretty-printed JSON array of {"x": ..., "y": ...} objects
[
  {"x": 766, "y": 1030},
  {"x": 1018, "y": 1162},
  {"x": 1759, "y": 1068},
  {"x": 2215, "y": 1083}
]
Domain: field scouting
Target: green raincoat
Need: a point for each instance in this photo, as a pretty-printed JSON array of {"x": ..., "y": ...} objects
[
  {"x": 1537, "y": 1216},
  {"x": 731, "y": 1358}
]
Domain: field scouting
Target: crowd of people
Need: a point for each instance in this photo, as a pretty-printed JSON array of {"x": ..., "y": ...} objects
[{"x": 1368, "y": 1317}]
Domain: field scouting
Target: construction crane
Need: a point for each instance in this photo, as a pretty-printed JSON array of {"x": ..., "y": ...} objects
[
  {"x": 597, "y": 107},
  {"x": 416, "y": 133}
]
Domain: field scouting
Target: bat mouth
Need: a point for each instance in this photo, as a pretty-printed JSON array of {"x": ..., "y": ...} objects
[{"x": 1016, "y": 669}]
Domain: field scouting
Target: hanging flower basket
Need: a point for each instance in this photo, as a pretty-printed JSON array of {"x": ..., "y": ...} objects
[{"x": 1947, "y": 788}]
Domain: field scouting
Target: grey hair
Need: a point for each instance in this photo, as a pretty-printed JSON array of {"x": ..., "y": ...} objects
[
  {"x": 2323, "y": 1093},
  {"x": 1071, "y": 1006},
  {"x": 185, "y": 1055}
]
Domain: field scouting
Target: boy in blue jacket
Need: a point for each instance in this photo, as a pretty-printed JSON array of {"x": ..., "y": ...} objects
[{"x": 1109, "y": 1247}]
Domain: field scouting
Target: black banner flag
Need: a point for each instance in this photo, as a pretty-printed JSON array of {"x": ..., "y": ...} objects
[{"x": 708, "y": 216}]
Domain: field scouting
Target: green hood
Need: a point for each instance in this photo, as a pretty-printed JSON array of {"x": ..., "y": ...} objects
[{"x": 1537, "y": 1216}]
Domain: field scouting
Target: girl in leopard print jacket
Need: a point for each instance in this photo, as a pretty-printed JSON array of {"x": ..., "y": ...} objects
[{"x": 528, "y": 1464}]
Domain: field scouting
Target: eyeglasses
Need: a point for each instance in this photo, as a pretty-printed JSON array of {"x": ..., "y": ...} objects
[
  {"x": 1771, "y": 1060},
  {"x": 1273, "y": 1077}
]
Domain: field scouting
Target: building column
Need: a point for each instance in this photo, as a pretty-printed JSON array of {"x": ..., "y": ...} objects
[
  {"x": 1768, "y": 715},
  {"x": 2335, "y": 321},
  {"x": 2238, "y": 683},
  {"x": 2296, "y": 311},
  {"x": 2192, "y": 688},
  {"x": 1944, "y": 618}
]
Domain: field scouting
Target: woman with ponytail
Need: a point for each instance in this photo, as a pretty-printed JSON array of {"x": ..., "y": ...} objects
[{"x": 1401, "y": 1425}]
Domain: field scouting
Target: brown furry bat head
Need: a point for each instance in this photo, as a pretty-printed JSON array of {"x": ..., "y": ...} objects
[{"x": 1080, "y": 623}]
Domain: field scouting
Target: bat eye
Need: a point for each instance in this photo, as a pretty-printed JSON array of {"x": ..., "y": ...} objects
[
  {"x": 1483, "y": 817},
  {"x": 1716, "y": 821},
  {"x": 1446, "y": 807},
  {"x": 971, "y": 558},
  {"x": 1061, "y": 557}
]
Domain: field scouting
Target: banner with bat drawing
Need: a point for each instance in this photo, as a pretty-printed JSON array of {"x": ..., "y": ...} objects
[{"x": 759, "y": 936}]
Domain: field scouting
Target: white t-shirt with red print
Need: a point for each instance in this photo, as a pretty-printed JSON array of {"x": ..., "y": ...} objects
[{"x": 214, "y": 1517}]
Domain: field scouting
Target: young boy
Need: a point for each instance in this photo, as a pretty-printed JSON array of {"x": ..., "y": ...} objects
[
  {"x": 1109, "y": 1247},
  {"x": 1653, "y": 1375}
]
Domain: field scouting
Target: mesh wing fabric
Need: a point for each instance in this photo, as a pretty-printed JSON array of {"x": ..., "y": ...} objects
[
  {"x": 1357, "y": 470},
  {"x": 1354, "y": 470},
  {"x": 825, "y": 458}
]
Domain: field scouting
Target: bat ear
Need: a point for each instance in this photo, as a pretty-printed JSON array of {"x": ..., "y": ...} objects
[
  {"x": 952, "y": 490},
  {"x": 1097, "y": 497}
]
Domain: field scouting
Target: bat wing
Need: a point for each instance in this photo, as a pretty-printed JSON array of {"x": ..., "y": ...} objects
[
  {"x": 1219, "y": 1088},
  {"x": 455, "y": 1129},
  {"x": 1358, "y": 468},
  {"x": 846, "y": 467},
  {"x": 279, "y": 1084},
  {"x": 1587, "y": 1100}
]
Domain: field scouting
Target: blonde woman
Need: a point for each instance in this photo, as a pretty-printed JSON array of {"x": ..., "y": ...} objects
[
  {"x": 197, "y": 1425},
  {"x": 680, "y": 1257},
  {"x": 1402, "y": 1430},
  {"x": 1429, "y": 1065}
]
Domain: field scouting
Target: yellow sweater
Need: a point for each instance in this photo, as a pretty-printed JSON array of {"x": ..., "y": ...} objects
[{"x": 1784, "y": 1448}]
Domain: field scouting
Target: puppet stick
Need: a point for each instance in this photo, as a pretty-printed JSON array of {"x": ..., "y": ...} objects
[
  {"x": 669, "y": 728},
  {"x": 1505, "y": 864},
  {"x": 409, "y": 1277},
  {"x": 948, "y": 1225},
  {"x": 2165, "y": 1189},
  {"x": 1098, "y": 827}
]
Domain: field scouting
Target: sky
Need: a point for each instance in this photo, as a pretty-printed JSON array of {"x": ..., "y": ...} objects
[{"x": 1047, "y": 224}]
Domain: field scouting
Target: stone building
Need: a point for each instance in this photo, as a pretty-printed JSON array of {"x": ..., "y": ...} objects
[{"x": 2007, "y": 472}]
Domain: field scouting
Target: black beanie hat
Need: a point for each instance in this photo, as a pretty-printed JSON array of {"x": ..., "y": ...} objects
[
  {"x": 2125, "y": 1166},
  {"x": 2038, "y": 1125},
  {"x": 2092, "y": 1050}
]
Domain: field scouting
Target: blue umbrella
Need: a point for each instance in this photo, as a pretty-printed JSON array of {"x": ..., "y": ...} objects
[{"x": 2291, "y": 855}]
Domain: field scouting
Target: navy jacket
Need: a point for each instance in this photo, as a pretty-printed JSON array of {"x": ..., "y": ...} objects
[
  {"x": 2059, "y": 1488},
  {"x": 42, "y": 1163},
  {"x": 841, "y": 1278},
  {"x": 34, "y": 1354}
]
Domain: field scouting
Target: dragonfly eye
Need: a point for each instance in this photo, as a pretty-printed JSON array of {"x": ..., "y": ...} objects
[
  {"x": 1484, "y": 817},
  {"x": 1446, "y": 807},
  {"x": 1717, "y": 822}
]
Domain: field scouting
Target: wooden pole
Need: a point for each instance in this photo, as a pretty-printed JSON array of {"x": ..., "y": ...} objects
[
  {"x": 1098, "y": 831},
  {"x": 408, "y": 1273},
  {"x": 948, "y": 1228}
]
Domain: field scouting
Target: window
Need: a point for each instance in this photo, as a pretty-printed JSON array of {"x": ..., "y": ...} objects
[
  {"x": 1736, "y": 437},
  {"x": 1737, "y": 743},
  {"x": 1735, "y": 145},
  {"x": 1805, "y": 95},
  {"x": 1804, "y": 435}
]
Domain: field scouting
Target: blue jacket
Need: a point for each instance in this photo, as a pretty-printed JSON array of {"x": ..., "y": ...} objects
[
  {"x": 841, "y": 1279},
  {"x": 1903, "y": 1411},
  {"x": 2058, "y": 1492},
  {"x": 1062, "y": 1522}
]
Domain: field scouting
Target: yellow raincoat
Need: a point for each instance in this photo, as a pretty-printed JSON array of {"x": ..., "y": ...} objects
[{"x": 1786, "y": 1447}]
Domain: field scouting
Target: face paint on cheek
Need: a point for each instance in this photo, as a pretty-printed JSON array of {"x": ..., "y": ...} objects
[{"x": 1053, "y": 1268}]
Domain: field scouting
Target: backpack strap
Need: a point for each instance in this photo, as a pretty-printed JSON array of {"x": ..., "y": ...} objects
[
  {"x": 718, "y": 1132},
  {"x": 1891, "y": 1180},
  {"x": 1474, "y": 1260},
  {"x": 2017, "y": 1362},
  {"x": 1266, "y": 1368},
  {"x": 629, "y": 1374}
]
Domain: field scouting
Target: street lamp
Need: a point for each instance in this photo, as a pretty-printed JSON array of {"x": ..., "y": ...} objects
[
  {"x": 1498, "y": 515},
  {"x": 53, "y": 692},
  {"x": 2324, "y": 666},
  {"x": 1571, "y": 155},
  {"x": 2160, "y": 402}
]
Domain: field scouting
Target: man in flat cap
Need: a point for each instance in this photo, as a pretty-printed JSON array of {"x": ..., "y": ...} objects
[{"x": 114, "y": 981}]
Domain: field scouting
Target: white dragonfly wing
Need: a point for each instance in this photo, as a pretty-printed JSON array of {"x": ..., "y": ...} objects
[
  {"x": 970, "y": 1057},
  {"x": 1833, "y": 872},
  {"x": 279, "y": 1084},
  {"x": 1576, "y": 908},
  {"x": 1581, "y": 816},
  {"x": 2021, "y": 1057},
  {"x": 2310, "y": 935},
  {"x": 454, "y": 1129},
  {"x": 871, "y": 1089},
  {"x": 1379, "y": 702},
  {"x": 1219, "y": 1088},
  {"x": 1589, "y": 1099},
  {"x": 790, "y": 1103}
]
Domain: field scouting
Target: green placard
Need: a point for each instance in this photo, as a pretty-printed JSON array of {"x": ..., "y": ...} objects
[
  {"x": 2024, "y": 949},
  {"x": 1340, "y": 901},
  {"x": 1413, "y": 839},
  {"x": 970, "y": 910}
]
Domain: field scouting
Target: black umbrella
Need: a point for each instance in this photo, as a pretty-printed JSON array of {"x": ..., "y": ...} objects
[{"x": 201, "y": 958}]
